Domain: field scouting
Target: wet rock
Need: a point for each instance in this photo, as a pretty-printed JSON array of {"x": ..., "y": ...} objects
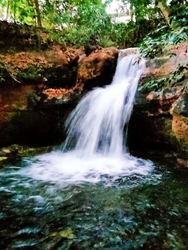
[
  {"x": 98, "y": 68},
  {"x": 51, "y": 67},
  {"x": 168, "y": 62},
  {"x": 43, "y": 87},
  {"x": 11, "y": 153},
  {"x": 40, "y": 88},
  {"x": 180, "y": 107},
  {"x": 159, "y": 118},
  {"x": 182, "y": 163}
]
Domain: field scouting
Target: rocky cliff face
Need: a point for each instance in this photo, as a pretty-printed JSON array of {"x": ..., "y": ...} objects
[
  {"x": 38, "y": 88},
  {"x": 159, "y": 120}
]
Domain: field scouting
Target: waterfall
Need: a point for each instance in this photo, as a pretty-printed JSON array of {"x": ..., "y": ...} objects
[
  {"x": 99, "y": 122},
  {"x": 94, "y": 149}
]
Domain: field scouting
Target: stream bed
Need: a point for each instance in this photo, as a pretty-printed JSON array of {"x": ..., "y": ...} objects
[{"x": 132, "y": 211}]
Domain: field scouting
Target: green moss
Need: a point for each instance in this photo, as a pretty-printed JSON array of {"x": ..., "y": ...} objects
[{"x": 32, "y": 73}]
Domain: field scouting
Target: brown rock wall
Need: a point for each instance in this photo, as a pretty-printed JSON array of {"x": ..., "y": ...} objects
[
  {"x": 42, "y": 89},
  {"x": 160, "y": 116}
]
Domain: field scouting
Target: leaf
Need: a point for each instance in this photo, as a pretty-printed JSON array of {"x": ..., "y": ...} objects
[{"x": 68, "y": 234}]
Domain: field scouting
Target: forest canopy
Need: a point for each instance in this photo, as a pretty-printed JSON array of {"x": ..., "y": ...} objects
[{"x": 81, "y": 21}]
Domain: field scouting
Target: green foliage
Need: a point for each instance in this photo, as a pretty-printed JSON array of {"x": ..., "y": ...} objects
[
  {"x": 77, "y": 22},
  {"x": 178, "y": 76},
  {"x": 156, "y": 41},
  {"x": 178, "y": 13},
  {"x": 151, "y": 47},
  {"x": 31, "y": 73},
  {"x": 3, "y": 6},
  {"x": 21, "y": 11},
  {"x": 154, "y": 85}
]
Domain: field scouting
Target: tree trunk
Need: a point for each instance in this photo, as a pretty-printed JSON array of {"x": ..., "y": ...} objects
[
  {"x": 39, "y": 23},
  {"x": 7, "y": 13},
  {"x": 164, "y": 12},
  {"x": 132, "y": 11},
  {"x": 37, "y": 13}
]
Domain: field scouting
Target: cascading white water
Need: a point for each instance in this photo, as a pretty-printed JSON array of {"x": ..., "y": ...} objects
[
  {"x": 97, "y": 124},
  {"x": 94, "y": 148}
]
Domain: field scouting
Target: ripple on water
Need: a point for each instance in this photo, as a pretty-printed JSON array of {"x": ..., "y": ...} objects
[{"x": 69, "y": 168}]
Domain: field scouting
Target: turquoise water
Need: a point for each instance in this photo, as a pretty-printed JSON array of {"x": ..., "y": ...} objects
[{"x": 130, "y": 212}]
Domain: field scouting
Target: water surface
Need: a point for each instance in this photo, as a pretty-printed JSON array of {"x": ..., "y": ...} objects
[{"x": 132, "y": 211}]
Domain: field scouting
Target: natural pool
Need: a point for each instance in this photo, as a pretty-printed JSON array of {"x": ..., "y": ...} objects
[
  {"x": 91, "y": 193},
  {"x": 132, "y": 211}
]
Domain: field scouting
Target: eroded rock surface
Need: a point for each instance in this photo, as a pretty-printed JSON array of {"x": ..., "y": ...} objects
[
  {"x": 160, "y": 120},
  {"x": 38, "y": 90},
  {"x": 98, "y": 68}
]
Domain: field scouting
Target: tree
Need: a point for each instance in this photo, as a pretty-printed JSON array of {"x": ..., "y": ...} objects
[
  {"x": 7, "y": 12},
  {"x": 80, "y": 21},
  {"x": 37, "y": 13}
]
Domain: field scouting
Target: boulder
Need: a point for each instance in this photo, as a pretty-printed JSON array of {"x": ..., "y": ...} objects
[
  {"x": 159, "y": 119},
  {"x": 38, "y": 89},
  {"x": 98, "y": 68}
]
